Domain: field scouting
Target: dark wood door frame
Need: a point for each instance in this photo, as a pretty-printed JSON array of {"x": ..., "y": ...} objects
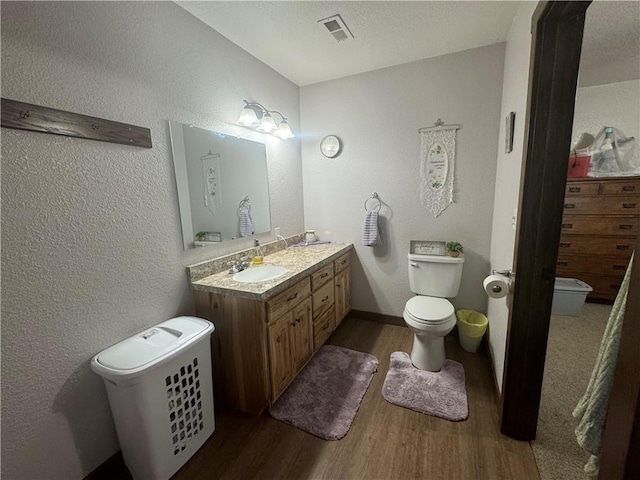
[{"x": 557, "y": 29}]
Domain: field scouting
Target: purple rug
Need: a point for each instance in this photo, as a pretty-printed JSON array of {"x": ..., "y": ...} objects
[
  {"x": 325, "y": 396},
  {"x": 442, "y": 394}
]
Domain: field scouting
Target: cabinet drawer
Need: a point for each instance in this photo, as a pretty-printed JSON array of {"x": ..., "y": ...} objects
[
  {"x": 323, "y": 327},
  {"x": 284, "y": 301},
  {"x": 321, "y": 277},
  {"x": 630, "y": 187},
  {"x": 582, "y": 188},
  {"x": 599, "y": 225},
  {"x": 342, "y": 262},
  {"x": 613, "y": 205},
  {"x": 323, "y": 300},
  {"x": 607, "y": 246},
  {"x": 573, "y": 265}
]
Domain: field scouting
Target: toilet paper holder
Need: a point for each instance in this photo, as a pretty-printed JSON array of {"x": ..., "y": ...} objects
[{"x": 504, "y": 273}]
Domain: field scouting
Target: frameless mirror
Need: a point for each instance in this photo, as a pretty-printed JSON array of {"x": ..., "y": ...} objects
[{"x": 223, "y": 191}]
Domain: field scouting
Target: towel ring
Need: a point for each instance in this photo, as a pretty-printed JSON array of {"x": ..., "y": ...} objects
[{"x": 374, "y": 196}]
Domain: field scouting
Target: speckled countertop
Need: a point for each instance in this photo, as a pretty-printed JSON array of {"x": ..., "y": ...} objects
[{"x": 299, "y": 262}]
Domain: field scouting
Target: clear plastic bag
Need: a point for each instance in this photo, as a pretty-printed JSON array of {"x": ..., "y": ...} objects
[{"x": 613, "y": 154}]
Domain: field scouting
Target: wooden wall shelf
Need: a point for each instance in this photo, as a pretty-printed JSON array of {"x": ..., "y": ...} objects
[{"x": 26, "y": 116}]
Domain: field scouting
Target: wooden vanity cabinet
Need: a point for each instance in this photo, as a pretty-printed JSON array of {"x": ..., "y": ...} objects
[
  {"x": 342, "y": 283},
  {"x": 600, "y": 226},
  {"x": 260, "y": 346}
]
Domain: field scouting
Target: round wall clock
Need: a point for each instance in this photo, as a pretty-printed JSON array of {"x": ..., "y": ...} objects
[{"x": 330, "y": 146}]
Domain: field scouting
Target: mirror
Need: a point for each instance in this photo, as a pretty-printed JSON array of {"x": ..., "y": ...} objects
[{"x": 223, "y": 191}]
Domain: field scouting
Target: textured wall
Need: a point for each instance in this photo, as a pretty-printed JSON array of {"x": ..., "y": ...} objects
[
  {"x": 514, "y": 99},
  {"x": 92, "y": 249},
  {"x": 377, "y": 115},
  {"x": 614, "y": 104}
]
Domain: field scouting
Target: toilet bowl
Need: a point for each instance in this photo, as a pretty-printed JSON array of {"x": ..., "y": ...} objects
[
  {"x": 430, "y": 319},
  {"x": 433, "y": 278}
]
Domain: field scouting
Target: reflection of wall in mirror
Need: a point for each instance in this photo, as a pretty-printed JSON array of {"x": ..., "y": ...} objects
[{"x": 242, "y": 172}]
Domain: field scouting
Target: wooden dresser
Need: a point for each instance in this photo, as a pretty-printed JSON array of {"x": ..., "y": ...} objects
[{"x": 600, "y": 225}]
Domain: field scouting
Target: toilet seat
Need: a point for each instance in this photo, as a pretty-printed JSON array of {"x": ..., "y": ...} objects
[{"x": 429, "y": 310}]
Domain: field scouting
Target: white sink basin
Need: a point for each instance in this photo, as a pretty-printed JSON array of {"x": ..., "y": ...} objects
[{"x": 259, "y": 274}]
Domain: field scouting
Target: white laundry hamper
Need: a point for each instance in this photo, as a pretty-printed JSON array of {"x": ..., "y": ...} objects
[{"x": 160, "y": 389}]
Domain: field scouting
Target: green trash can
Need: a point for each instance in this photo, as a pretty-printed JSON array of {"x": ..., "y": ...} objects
[{"x": 471, "y": 327}]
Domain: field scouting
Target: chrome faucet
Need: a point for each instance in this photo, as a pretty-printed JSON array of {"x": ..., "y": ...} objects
[{"x": 236, "y": 267}]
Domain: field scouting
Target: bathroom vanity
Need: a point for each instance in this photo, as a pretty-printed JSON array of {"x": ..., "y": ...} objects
[{"x": 267, "y": 331}]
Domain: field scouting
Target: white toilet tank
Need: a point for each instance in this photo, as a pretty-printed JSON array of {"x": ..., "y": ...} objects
[{"x": 435, "y": 275}]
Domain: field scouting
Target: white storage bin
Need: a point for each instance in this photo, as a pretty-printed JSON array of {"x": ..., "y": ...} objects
[
  {"x": 569, "y": 295},
  {"x": 160, "y": 389}
]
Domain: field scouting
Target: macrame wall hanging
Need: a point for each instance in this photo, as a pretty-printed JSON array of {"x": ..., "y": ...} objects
[{"x": 437, "y": 158}]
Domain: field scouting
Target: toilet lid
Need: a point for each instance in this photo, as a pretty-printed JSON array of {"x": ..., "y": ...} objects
[{"x": 429, "y": 309}]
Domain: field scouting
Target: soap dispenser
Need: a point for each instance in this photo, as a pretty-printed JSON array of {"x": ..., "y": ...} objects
[{"x": 257, "y": 253}]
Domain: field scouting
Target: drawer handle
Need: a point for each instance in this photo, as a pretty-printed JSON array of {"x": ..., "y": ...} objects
[
  {"x": 293, "y": 324},
  {"x": 326, "y": 325},
  {"x": 338, "y": 285},
  {"x": 292, "y": 297},
  {"x": 619, "y": 267},
  {"x": 298, "y": 320},
  {"x": 628, "y": 205},
  {"x": 628, "y": 188},
  {"x": 569, "y": 205},
  {"x": 325, "y": 274},
  {"x": 574, "y": 189},
  {"x": 324, "y": 299},
  {"x": 622, "y": 247},
  {"x": 626, "y": 227},
  {"x": 563, "y": 263},
  {"x": 343, "y": 261},
  {"x": 565, "y": 244},
  {"x": 614, "y": 286},
  {"x": 567, "y": 225}
]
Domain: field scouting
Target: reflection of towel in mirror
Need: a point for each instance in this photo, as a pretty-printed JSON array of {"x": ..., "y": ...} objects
[
  {"x": 370, "y": 232},
  {"x": 592, "y": 408},
  {"x": 246, "y": 224}
]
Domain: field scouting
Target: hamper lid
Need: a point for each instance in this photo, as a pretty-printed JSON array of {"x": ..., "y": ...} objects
[
  {"x": 571, "y": 285},
  {"x": 148, "y": 348}
]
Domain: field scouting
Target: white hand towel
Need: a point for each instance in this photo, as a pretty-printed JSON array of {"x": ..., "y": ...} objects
[
  {"x": 370, "y": 232},
  {"x": 246, "y": 224}
]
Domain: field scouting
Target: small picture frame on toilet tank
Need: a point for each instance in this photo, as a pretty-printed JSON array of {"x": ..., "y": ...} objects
[{"x": 427, "y": 247}]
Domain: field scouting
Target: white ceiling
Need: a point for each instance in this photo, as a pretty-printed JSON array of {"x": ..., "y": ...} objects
[{"x": 286, "y": 35}]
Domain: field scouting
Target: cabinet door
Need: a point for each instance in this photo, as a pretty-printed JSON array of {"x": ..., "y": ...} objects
[
  {"x": 342, "y": 294},
  {"x": 301, "y": 335},
  {"x": 280, "y": 354}
]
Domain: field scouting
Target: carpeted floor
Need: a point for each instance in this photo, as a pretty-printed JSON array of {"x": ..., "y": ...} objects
[{"x": 572, "y": 350}]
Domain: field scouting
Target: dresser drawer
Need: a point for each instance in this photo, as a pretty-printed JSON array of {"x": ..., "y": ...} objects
[
  {"x": 625, "y": 187},
  {"x": 321, "y": 277},
  {"x": 323, "y": 327},
  {"x": 599, "y": 225},
  {"x": 582, "y": 188},
  {"x": 607, "y": 246},
  {"x": 323, "y": 300},
  {"x": 341, "y": 263},
  {"x": 592, "y": 205},
  {"x": 573, "y": 265},
  {"x": 284, "y": 301}
]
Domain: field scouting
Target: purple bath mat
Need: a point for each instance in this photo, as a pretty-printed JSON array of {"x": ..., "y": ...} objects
[
  {"x": 442, "y": 394},
  {"x": 325, "y": 396}
]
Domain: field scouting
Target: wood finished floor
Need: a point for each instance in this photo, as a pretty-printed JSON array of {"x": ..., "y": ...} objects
[{"x": 385, "y": 441}]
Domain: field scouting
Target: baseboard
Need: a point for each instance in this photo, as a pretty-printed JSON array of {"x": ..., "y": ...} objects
[
  {"x": 378, "y": 317},
  {"x": 496, "y": 385}
]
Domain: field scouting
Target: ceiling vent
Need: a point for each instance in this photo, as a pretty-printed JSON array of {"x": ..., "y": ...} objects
[{"x": 336, "y": 27}]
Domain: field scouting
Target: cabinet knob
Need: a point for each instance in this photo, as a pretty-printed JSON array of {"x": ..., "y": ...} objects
[
  {"x": 628, "y": 188},
  {"x": 565, "y": 244},
  {"x": 628, "y": 205},
  {"x": 567, "y": 225},
  {"x": 574, "y": 189},
  {"x": 569, "y": 205},
  {"x": 625, "y": 226}
]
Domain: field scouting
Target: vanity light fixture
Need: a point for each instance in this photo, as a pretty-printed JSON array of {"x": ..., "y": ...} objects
[{"x": 257, "y": 117}]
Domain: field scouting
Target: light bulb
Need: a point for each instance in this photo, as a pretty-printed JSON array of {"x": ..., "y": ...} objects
[
  {"x": 267, "y": 124},
  {"x": 248, "y": 117},
  {"x": 283, "y": 131}
]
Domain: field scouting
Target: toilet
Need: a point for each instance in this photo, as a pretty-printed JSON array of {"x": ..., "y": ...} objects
[{"x": 433, "y": 278}]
